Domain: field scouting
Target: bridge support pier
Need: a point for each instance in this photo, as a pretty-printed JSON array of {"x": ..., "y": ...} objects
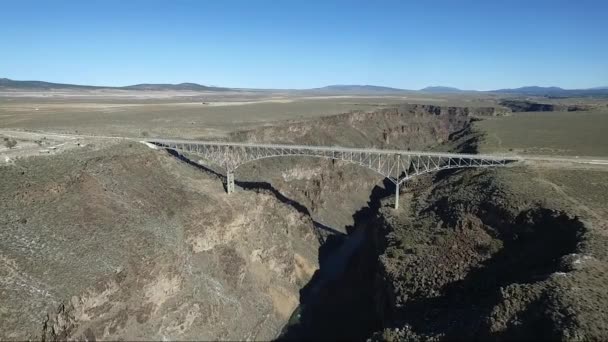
[
  {"x": 229, "y": 181},
  {"x": 396, "y": 195}
]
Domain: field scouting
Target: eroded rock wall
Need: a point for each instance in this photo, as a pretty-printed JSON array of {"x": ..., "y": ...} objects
[
  {"x": 473, "y": 258},
  {"x": 129, "y": 243},
  {"x": 334, "y": 190}
]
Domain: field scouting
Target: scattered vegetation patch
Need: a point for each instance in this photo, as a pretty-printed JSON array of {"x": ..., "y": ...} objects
[
  {"x": 530, "y": 106},
  {"x": 527, "y": 106},
  {"x": 483, "y": 264},
  {"x": 10, "y": 143}
]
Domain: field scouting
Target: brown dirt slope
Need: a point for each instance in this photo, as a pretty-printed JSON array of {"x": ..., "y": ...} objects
[{"x": 128, "y": 243}]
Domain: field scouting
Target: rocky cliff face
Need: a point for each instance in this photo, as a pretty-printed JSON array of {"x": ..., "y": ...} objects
[
  {"x": 472, "y": 260},
  {"x": 487, "y": 254},
  {"x": 406, "y": 126},
  {"x": 129, "y": 243},
  {"x": 334, "y": 190},
  {"x": 472, "y": 254},
  {"x": 469, "y": 256}
]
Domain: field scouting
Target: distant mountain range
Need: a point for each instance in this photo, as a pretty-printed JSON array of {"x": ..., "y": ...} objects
[
  {"x": 181, "y": 86},
  {"x": 554, "y": 91},
  {"x": 8, "y": 84},
  {"x": 354, "y": 88},
  {"x": 531, "y": 91},
  {"x": 444, "y": 90}
]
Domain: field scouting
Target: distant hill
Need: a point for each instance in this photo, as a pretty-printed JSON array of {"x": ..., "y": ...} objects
[
  {"x": 6, "y": 83},
  {"x": 355, "y": 88},
  {"x": 532, "y": 90},
  {"x": 554, "y": 91},
  {"x": 181, "y": 86},
  {"x": 441, "y": 89}
]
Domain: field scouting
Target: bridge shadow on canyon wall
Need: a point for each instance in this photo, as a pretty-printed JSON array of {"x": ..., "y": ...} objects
[
  {"x": 338, "y": 302},
  {"x": 322, "y": 231}
]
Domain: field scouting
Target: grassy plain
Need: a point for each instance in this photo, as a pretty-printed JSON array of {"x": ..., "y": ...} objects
[
  {"x": 558, "y": 133},
  {"x": 187, "y": 115},
  {"x": 552, "y": 133},
  {"x": 186, "y": 120}
]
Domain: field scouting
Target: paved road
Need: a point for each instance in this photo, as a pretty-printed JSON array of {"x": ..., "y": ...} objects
[{"x": 567, "y": 159}]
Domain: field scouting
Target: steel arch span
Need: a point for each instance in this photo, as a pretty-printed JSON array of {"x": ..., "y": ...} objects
[{"x": 398, "y": 166}]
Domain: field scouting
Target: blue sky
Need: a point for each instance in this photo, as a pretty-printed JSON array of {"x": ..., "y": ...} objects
[{"x": 300, "y": 44}]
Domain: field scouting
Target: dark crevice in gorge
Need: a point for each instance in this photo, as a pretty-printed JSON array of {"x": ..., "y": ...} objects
[{"x": 338, "y": 303}]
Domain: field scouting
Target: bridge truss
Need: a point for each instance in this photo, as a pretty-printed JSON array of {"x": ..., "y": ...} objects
[{"x": 397, "y": 166}]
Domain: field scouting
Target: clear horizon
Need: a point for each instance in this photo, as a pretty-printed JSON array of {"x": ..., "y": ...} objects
[
  {"x": 470, "y": 45},
  {"x": 241, "y": 87}
]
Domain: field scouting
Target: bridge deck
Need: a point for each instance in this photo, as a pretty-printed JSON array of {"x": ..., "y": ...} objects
[
  {"x": 342, "y": 149},
  {"x": 396, "y": 165}
]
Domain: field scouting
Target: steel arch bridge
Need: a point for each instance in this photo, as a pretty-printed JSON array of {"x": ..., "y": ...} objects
[{"x": 397, "y": 166}]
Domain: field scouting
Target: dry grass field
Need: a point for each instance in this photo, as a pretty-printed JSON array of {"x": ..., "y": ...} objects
[
  {"x": 552, "y": 133},
  {"x": 558, "y": 133},
  {"x": 186, "y": 120},
  {"x": 187, "y": 114}
]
